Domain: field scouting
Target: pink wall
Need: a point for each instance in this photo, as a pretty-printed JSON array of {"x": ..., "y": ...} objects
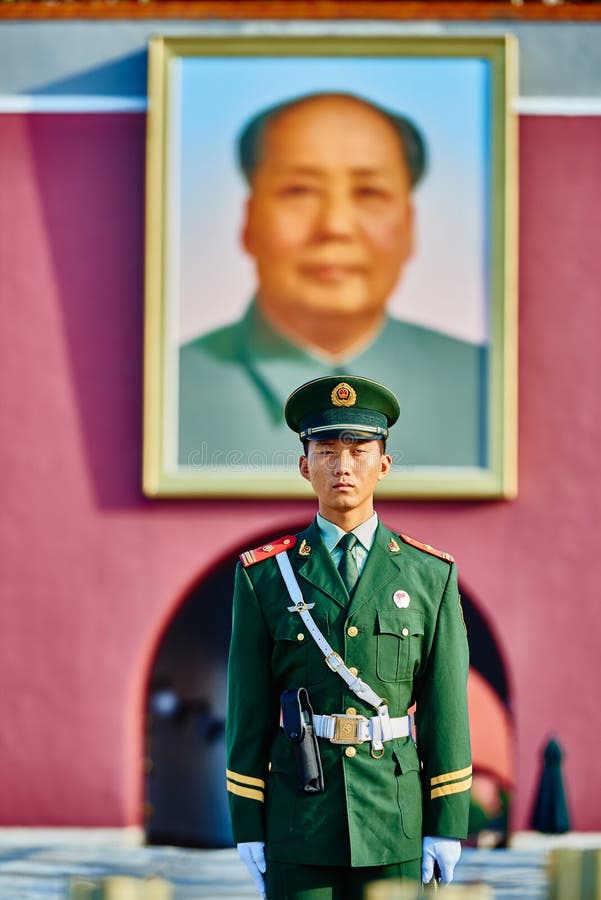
[{"x": 91, "y": 569}]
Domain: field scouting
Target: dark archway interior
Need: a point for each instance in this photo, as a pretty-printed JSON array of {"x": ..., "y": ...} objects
[
  {"x": 185, "y": 788},
  {"x": 485, "y": 657},
  {"x": 186, "y": 797}
]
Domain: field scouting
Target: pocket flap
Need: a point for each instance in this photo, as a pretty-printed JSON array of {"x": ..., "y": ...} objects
[
  {"x": 401, "y": 622},
  {"x": 406, "y": 757}
]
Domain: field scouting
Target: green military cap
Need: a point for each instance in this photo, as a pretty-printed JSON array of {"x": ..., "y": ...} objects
[{"x": 341, "y": 406}]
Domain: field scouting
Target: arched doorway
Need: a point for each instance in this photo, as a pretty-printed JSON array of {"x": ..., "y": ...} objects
[
  {"x": 185, "y": 719},
  {"x": 491, "y": 731},
  {"x": 185, "y": 739}
]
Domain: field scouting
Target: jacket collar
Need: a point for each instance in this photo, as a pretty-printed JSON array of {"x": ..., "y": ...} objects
[
  {"x": 312, "y": 561},
  {"x": 276, "y": 365},
  {"x": 382, "y": 566}
]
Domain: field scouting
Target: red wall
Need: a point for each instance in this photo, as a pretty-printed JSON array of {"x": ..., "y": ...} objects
[{"x": 91, "y": 570}]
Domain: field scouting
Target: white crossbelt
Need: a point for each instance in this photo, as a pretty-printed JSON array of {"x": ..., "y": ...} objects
[{"x": 377, "y": 729}]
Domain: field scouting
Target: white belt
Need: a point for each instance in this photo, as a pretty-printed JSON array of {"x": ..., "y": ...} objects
[
  {"x": 343, "y": 729},
  {"x": 340, "y": 728}
]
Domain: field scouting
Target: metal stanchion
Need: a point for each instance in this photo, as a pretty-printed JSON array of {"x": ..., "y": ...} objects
[
  {"x": 565, "y": 874},
  {"x": 121, "y": 887},
  {"x": 575, "y": 874},
  {"x": 408, "y": 890},
  {"x": 591, "y": 875}
]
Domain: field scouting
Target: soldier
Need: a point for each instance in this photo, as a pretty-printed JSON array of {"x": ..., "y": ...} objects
[{"x": 368, "y": 621}]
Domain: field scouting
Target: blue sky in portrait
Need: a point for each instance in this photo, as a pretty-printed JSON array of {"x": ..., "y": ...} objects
[{"x": 210, "y": 280}]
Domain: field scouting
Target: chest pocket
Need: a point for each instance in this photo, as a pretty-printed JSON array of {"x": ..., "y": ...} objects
[
  {"x": 296, "y": 657},
  {"x": 399, "y": 637}
]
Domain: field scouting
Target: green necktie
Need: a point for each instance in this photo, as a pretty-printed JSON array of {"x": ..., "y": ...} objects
[{"x": 347, "y": 565}]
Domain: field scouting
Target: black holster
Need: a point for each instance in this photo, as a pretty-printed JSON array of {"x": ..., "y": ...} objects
[{"x": 297, "y": 721}]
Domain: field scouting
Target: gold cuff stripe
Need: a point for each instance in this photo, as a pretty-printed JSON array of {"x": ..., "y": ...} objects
[
  {"x": 245, "y": 779},
  {"x": 245, "y": 792},
  {"x": 451, "y": 776},
  {"x": 457, "y": 788}
]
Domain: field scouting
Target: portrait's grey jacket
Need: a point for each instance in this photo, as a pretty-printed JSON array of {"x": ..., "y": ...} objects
[{"x": 233, "y": 384}]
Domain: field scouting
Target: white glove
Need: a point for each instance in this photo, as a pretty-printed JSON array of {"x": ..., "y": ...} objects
[
  {"x": 252, "y": 854},
  {"x": 444, "y": 851}
]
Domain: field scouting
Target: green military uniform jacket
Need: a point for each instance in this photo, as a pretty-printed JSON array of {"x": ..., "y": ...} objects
[
  {"x": 233, "y": 384},
  {"x": 373, "y": 811}
]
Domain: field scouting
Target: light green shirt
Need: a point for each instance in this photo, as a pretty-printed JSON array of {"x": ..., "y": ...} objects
[{"x": 365, "y": 533}]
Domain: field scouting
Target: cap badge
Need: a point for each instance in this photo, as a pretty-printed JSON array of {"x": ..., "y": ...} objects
[
  {"x": 401, "y": 599},
  {"x": 393, "y": 546},
  {"x": 343, "y": 395},
  {"x": 304, "y": 549}
]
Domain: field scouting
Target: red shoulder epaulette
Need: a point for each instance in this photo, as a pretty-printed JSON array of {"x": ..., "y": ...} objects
[
  {"x": 250, "y": 557},
  {"x": 427, "y": 548}
]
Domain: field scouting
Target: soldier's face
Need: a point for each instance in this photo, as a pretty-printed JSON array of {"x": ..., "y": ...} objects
[
  {"x": 330, "y": 220},
  {"x": 343, "y": 473}
]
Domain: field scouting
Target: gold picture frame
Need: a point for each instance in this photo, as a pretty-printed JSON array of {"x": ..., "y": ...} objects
[{"x": 194, "y": 97}]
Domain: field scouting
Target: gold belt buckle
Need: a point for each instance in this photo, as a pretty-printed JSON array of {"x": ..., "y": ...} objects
[{"x": 346, "y": 729}]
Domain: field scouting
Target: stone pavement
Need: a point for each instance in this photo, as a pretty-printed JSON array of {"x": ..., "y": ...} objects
[
  {"x": 43, "y": 873},
  {"x": 34, "y": 870}
]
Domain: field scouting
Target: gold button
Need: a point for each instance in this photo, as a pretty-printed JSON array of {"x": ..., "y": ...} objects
[
  {"x": 350, "y": 752},
  {"x": 300, "y": 636},
  {"x": 351, "y": 711},
  {"x": 352, "y": 631},
  {"x": 405, "y": 632},
  {"x": 353, "y": 671}
]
